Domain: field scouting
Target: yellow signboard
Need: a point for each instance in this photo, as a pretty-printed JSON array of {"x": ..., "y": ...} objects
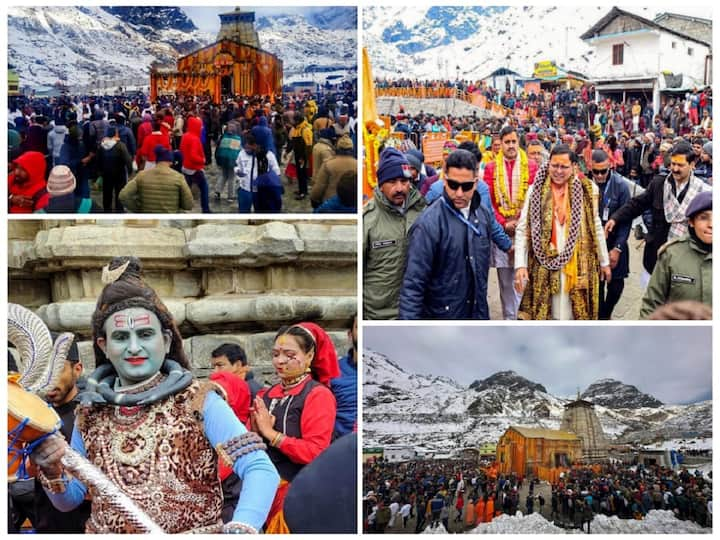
[{"x": 546, "y": 68}]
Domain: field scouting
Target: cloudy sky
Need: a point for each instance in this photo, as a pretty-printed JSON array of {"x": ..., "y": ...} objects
[
  {"x": 207, "y": 20},
  {"x": 672, "y": 364}
]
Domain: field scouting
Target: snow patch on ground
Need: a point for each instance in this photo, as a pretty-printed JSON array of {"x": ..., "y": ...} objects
[
  {"x": 656, "y": 522},
  {"x": 518, "y": 524}
]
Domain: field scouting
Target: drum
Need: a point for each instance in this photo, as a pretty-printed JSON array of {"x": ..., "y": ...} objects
[{"x": 41, "y": 420}]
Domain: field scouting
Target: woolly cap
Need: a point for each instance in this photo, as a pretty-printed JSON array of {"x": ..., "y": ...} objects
[
  {"x": 392, "y": 165},
  {"x": 61, "y": 181}
]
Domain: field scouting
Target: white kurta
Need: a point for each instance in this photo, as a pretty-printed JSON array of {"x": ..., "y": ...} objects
[{"x": 561, "y": 306}]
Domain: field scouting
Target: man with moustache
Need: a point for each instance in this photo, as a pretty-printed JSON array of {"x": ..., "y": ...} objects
[
  {"x": 508, "y": 177},
  {"x": 614, "y": 193},
  {"x": 387, "y": 217},
  {"x": 667, "y": 198},
  {"x": 560, "y": 249},
  {"x": 449, "y": 250}
]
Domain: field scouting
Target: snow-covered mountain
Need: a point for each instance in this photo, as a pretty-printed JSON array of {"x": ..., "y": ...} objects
[
  {"x": 438, "y": 414},
  {"x": 616, "y": 395},
  {"x": 83, "y": 45},
  {"x": 433, "y": 42}
]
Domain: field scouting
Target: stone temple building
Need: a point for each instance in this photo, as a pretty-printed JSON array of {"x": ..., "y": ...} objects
[
  {"x": 239, "y": 25},
  {"x": 224, "y": 281},
  {"x": 233, "y": 65},
  {"x": 580, "y": 418}
]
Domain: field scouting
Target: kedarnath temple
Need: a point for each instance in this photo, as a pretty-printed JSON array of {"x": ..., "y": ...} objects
[{"x": 233, "y": 65}]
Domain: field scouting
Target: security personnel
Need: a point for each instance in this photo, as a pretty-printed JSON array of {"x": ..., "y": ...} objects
[
  {"x": 614, "y": 193},
  {"x": 684, "y": 267},
  {"x": 387, "y": 218}
]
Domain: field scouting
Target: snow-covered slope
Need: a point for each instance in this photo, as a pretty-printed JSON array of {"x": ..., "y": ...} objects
[
  {"x": 431, "y": 43},
  {"x": 81, "y": 45},
  {"x": 438, "y": 414}
]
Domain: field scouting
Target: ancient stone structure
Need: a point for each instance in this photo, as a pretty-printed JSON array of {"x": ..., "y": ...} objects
[
  {"x": 223, "y": 281},
  {"x": 239, "y": 25},
  {"x": 580, "y": 418},
  {"x": 233, "y": 65}
]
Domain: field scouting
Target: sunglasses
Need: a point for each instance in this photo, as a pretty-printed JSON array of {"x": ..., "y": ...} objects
[
  {"x": 465, "y": 186},
  {"x": 600, "y": 172}
]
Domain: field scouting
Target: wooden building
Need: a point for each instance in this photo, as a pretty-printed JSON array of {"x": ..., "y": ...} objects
[
  {"x": 233, "y": 65},
  {"x": 544, "y": 453}
]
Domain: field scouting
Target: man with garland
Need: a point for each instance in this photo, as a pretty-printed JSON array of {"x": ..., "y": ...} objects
[
  {"x": 153, "y": 430},
  {"x": 560, "y": 250},
  {"x": 508, "y": 177}
]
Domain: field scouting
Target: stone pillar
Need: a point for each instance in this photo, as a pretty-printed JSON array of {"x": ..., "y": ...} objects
[{"x": 224, "y": 281}]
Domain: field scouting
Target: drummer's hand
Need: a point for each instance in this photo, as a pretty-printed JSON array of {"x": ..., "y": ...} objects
[{"x": 48, "y": 454}]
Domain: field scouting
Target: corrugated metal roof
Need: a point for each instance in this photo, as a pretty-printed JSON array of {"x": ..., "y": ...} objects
[{"x": 542, "y": 433}]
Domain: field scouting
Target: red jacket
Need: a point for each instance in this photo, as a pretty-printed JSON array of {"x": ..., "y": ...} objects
[
  {"x": 147, "y": 150},
  {"x": 238, "y": 397},
  {"x": 34, "y": 187},
  {"x": 191, "y": 145},
  {"x": 144, "y": 129},
  {"x": 316, "y": 423},
  {"x": 489, "y": 177}
]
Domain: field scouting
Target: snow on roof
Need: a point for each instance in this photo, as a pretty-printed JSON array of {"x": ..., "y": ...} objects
[{"x": 540, "y": 433}]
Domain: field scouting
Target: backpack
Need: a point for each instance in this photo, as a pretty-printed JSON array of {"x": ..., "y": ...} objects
[{"x": 228, "y": 150}]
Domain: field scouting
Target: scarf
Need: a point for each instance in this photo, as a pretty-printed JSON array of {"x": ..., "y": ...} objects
[
  {"x": 100, "y": 386},
  {"x": 577, "y": 260},
  {"x": 510, "y": 204},
  {"x": 675, "y": 210}
]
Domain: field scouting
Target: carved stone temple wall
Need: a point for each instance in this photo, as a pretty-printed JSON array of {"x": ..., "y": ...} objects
[{"x": 223, "y": 281}]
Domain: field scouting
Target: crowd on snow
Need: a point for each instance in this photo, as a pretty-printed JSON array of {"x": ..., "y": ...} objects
[
  {"x": 462, "y": 494},
  {"x": 146, "y": 157}
]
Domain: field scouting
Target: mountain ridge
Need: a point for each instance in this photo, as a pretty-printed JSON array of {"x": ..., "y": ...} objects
[{"x": 437, "y": 413}]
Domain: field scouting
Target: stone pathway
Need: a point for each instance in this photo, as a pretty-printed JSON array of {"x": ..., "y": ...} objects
[{"x": 223, "y": 206}]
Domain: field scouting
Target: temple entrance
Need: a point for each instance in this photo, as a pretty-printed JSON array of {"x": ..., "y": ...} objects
[
  {"x": 226, "y": 85},
  {"x": 562, "y": 460}
]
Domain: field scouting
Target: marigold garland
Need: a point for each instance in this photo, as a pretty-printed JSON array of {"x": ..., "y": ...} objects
[{"x": 506, "y": 206}]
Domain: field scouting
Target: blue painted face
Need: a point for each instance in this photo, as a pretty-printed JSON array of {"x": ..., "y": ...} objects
[{"x": 135, "y": 344}]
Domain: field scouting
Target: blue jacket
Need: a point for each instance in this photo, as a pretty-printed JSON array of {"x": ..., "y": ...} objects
[
  {"x": 448, "y": 263},
  {"x": 616, "y": 194},
  {"x": 345, "y": 389},
  {"x": 498, "y": 233},
  {"x": 334, "y": 206},
  {"x": 264, "y": 135}
]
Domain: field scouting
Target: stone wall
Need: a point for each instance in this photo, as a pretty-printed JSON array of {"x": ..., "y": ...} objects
[
  {"x": 581, "y": 419},
  {"x": 439, "y": 107},
  {"x": 224, "y": 281}
]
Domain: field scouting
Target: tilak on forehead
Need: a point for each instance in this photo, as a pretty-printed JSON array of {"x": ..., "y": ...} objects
[{"x": 120, "y": 320}]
